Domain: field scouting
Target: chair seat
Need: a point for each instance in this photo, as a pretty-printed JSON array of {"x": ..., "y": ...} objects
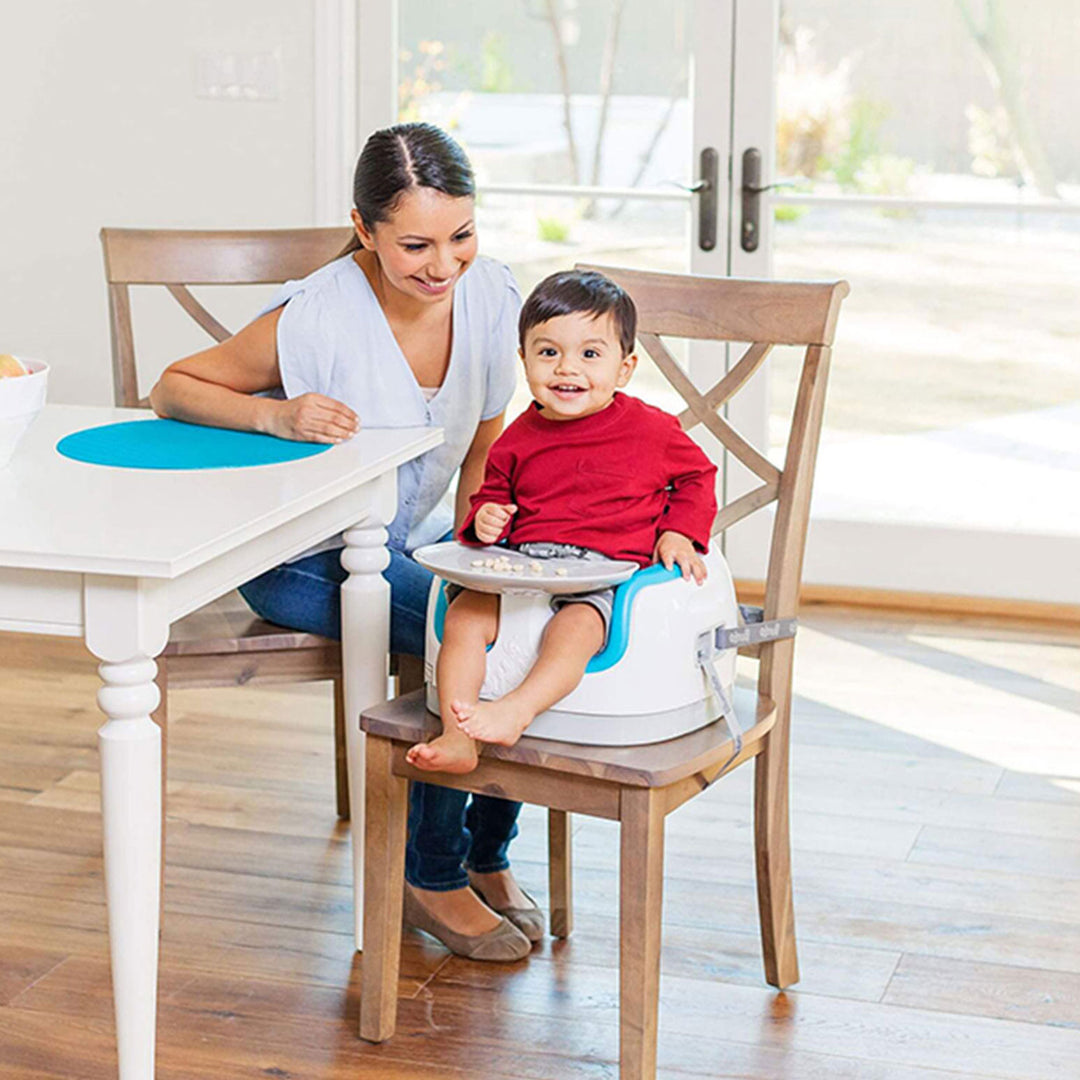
[
  {"x": 228, "y": 625},
  {"x": 406, "y": 720}
]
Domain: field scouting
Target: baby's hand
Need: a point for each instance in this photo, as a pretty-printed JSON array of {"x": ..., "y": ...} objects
[
  {"x": 491, "y": 519},
  {"x": 674, "y": 548}
]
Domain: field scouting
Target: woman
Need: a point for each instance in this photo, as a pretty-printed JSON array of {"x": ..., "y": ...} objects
[{"x": 408, "y": 327}]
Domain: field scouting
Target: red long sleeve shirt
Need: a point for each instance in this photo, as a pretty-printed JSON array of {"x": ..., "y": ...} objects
[{"x": 612, "y": 481}]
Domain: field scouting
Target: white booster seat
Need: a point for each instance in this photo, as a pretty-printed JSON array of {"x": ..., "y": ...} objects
[{"x": 668, "y": 666}]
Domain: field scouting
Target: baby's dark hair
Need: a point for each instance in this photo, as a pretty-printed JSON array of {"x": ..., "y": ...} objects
[{"x": 570, "y": 291}]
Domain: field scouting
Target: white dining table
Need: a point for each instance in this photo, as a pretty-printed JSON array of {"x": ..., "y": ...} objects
[{"x": 116, "y": 555}]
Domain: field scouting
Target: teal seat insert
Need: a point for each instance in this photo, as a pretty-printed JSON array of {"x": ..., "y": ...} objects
[{"x": 618, "y": 632}]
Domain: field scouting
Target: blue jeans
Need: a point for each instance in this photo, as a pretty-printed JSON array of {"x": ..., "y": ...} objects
[{"x": 444, "y": 837}]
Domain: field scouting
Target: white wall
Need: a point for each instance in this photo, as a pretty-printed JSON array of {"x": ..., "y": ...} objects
[{"x": 101, "y": 125}]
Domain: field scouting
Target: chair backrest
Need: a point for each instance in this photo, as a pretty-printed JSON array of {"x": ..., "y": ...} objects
[
  {"x": 763, "y": 314},
  {"x": 177, "y": 258}
]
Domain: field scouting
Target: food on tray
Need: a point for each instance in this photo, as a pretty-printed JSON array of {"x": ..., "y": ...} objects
[
  {"x": 502, "y": 564},
  {"x": 10, "y": 367}
]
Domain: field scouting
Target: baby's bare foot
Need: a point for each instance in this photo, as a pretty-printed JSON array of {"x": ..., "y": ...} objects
[
  {"x": 450, "y": 752},
  {"x": 499, "y": 721}
]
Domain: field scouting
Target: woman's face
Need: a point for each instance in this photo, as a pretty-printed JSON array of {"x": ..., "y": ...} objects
[{"x": 427, "y": 243}]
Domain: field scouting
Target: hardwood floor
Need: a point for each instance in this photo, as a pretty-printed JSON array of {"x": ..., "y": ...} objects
[{"x": 936, "y": 821}]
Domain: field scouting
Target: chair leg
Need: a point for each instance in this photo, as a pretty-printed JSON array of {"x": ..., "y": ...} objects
[
  {"x": 641, "y": 886},
  {"x": 386, "y": 812},
  {"x": 772, "y": 844},
  {"x": 560, "y": 878},
  {"x": 341, "y": 753},
  {"x": 160, "y": 716},
  {"x": 410, "y": 673}
]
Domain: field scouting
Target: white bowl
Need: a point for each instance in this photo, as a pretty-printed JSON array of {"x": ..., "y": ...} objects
[{"x": 21, "y": 399}]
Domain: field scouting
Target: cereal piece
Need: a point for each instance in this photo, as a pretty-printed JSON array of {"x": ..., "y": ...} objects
[
  {"x": 536, "y": 567},
  {"x": 489, "y": 563},
  {"x": 561, "y": 571},
  {"x": 478, "y": 562}
]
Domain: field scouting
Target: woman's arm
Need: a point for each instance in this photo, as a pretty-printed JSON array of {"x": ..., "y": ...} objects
[
  {"x": 216, "y": 387},
  {"x": 472, "y": 468}
]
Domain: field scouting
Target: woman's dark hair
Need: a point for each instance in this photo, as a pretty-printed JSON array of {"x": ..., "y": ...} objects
[
  {"x": 399, "y": 158},
  {"x": 580, "y": 290}
]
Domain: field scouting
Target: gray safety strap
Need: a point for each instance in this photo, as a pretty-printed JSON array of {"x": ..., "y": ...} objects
[{"x": 719, "y": 640}]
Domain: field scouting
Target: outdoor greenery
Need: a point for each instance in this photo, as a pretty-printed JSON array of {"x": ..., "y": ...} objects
[{"x": 552, "y": 229}]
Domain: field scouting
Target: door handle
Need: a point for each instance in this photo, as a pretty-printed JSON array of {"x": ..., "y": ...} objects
[
  {"x": 709, "y": 191},
  {"x": 706, "y": 187},
  {"x": 752, "y": 189}
]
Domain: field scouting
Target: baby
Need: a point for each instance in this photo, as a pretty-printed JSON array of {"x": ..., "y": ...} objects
[{"x": 585, "y": 471}]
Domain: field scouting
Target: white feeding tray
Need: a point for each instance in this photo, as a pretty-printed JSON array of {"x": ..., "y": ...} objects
[{"x": 455, "y": 562}]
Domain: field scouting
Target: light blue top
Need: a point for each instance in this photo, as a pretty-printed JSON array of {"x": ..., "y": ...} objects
[{"x": 333, "y": 339}]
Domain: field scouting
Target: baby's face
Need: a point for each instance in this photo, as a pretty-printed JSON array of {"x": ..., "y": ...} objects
[{"x": 574, "y": 364}]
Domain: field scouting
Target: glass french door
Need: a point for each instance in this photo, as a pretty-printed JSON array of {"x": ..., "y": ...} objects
[
  {"x": 931, "y": 163},
  {"x": 586, "y": 124}
]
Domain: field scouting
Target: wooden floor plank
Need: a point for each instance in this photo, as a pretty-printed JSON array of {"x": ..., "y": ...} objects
[
  {"x": 21, "y": 967},
  {"x": 937, "y": 889},
  {"x": 1009, "y": 853},
  {"x": 1036, "y": 996}
]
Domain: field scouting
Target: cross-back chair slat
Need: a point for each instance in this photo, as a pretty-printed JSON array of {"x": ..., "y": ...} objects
[
  {"x": 733, "y": 381},
  {"x": 178, "y": 258},
  {"x": 700, "y": 413},
  {"x": 183, "y": 296},
  {"x": 742, "y": 507}
]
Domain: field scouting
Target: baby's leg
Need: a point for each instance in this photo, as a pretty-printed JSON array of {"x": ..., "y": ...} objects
[
  {"x": 472, "y": 622},
  {"x": 572, "y": 637}
]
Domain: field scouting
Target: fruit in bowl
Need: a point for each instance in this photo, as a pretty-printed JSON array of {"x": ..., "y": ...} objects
[
  {"x": 11, "y": 367},
  {"x": 22, "y": 396}
]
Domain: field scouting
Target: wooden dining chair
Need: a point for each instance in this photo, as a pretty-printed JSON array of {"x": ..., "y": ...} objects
[
  {"x": 224, "y": 644},
  {"x": 638, "y": 786}
]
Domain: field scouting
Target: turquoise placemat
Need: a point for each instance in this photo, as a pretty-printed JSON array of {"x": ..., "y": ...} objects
[{"x": 170, "y": 444}]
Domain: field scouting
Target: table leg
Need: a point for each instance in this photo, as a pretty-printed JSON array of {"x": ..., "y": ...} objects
[
  {"x": 130, "y": 744},
  {"x": 365, "y": 644}
]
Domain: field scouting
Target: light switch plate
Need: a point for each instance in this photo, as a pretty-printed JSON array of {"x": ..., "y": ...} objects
[{"x": 238, "y": 76}]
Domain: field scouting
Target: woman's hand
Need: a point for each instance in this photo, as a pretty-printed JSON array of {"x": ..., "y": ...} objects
[
  {"x": 310, "y": 418},
  {"x": 490, "y": 521},
  {"x": 673, "y": 548}
]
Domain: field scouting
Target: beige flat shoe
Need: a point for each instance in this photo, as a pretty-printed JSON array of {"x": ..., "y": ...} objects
[
  {"x": 529, "y": 920},
  {"x": 505, "y": 943}
]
